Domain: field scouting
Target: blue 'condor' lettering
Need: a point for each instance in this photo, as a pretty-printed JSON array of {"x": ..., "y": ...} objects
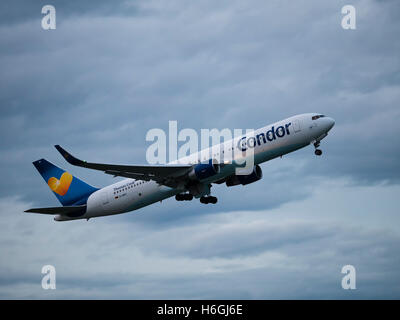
[{"x": 262, "y": 138}]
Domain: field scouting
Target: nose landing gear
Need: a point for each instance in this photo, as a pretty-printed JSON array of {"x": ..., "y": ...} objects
[{"x": 317, "y": 151}]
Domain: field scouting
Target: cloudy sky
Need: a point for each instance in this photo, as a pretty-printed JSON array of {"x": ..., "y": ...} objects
[{"x": 110, "y": 73}]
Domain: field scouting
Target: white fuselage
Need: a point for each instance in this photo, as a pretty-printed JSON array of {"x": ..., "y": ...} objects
[{"x": 130, "y": 194}]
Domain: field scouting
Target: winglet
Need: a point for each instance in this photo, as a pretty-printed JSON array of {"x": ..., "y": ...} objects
[{"x": 69, "y": 157}]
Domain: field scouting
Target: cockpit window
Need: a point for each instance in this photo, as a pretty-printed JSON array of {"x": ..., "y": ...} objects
[{"x": 317, "y": 117}]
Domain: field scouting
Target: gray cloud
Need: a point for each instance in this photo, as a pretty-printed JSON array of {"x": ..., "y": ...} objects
[
  {"x": 15, "y": 13},
  {"x": 250, "y": 255}
]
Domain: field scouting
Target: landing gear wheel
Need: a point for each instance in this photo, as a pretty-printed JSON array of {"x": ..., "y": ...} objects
[
  {"x": 184, "y": 197},
  {"x": 208, "y": 199},
  {"x": 318, "y": 152},
  {"x": 213, "y": 200},
  {"x": 188, "y": 196}
]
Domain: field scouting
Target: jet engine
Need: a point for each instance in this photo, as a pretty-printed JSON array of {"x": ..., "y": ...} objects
[
  {"x": 203, "y": 171},
  {"x": 245, "y": 179}
]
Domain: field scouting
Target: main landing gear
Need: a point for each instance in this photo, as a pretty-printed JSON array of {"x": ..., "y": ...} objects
[
  {"x": 209, "y": 199},
  {"x": 317, "y": 151},
  {"x": 189, "y": 196},
  {"x": 184, "y": 197}
]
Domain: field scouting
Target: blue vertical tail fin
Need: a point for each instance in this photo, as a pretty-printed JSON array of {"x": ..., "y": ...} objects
[{"x": 69, "y": 190}]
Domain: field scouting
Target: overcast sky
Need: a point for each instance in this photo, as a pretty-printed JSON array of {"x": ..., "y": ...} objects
[{"x": 110, "y": 73}]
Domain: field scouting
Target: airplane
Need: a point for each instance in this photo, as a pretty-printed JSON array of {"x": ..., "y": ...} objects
[{"x": 186, "y": 178}]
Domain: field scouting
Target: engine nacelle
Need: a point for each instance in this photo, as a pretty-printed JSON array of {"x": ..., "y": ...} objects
[
  {"x": 243, "y": 180},
  {"x": 203, "y": 171}
]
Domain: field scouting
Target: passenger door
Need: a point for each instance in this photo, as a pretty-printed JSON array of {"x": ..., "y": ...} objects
[{"x": 296, "y": 125}]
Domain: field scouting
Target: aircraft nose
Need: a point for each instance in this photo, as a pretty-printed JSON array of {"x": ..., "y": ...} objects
[{"x": 330, "y": 123}]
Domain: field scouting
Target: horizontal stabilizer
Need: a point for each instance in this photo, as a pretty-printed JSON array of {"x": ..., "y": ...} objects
[{"x": 70, "y": 211}]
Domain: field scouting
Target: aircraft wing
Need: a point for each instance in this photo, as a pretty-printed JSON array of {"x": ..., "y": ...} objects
[
  {"x": 71, "y": 210},
  {"x": 163, "y": 174}
]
